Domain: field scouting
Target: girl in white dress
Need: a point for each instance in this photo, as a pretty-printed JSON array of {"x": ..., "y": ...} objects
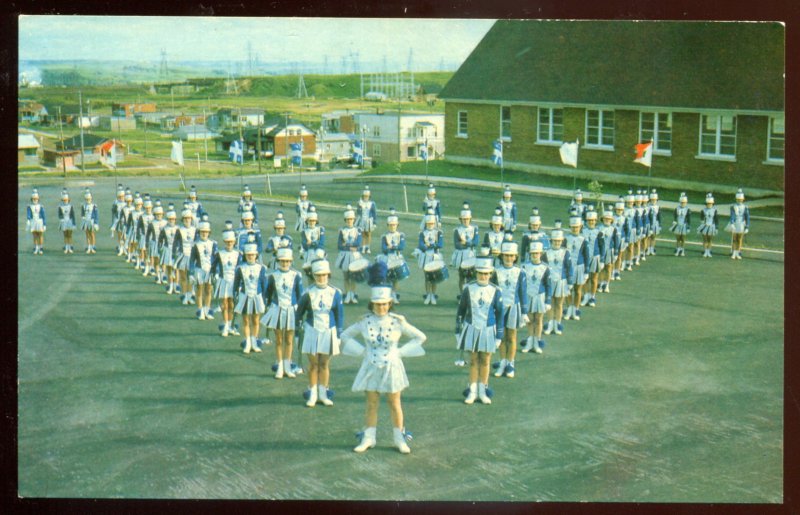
[
  {"x": 36, "y": 222},
  {"x": 249, "y": 287},
  {"x": 90, "y": 222},
  {"x": 66, "y": 221},
  {"x": 279, "y": 240},
  {"x": 624, "y": 235},
  {"x": 681, "y": 223},
  {"x": 655, "y": 223},
  {"x": 223, "y": 266},
  {"x": 203, "y": 252},
  {"x": 479, "y": 328},
  {"x": 739, "y": 224},
  {"x": 348, "y": 243},
  {"x": 320, "y": 313},
  {"x": 382, "y": 370},
  {"x": 366, "y": 216},
  {"x": 284, "y": 290},
  {"x": 709, "y": 221}
]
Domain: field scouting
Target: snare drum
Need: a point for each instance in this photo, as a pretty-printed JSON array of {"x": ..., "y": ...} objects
[
  {"x": 467, "y": 269},
  {"x": 398, "y": 268},
  {"x": 358, "y": 270},
  {"x": 436, "y": 271}
]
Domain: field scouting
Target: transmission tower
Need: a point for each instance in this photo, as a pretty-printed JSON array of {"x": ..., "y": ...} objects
[
  {"x": 249, "y": 59},
  {"x": 163, "y": 70},
  {"x": 410, "y": 58},
  {"x": 302, "y": 92}
]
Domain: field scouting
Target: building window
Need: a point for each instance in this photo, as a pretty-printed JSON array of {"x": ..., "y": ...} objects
[
  {"x": 718, "y": 135},
  {"x": 376, "y": 131},
  {"x": 411, "y": 151},
  {"x": 656, "y": 127},
  {"x": 551, "y": 125},
  {"x": 600, "y": 128},
  {"x": 775, "y": 143},
  {"x": 376, "y": 150},
  {"x": 462, "y": 124},
  {"x": 505, "y": 123}
]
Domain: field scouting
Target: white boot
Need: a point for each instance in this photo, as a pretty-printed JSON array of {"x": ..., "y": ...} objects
[
  {"x": 427, "y": 299},
  {"x": 226, "y": 329},
  {"x": 247, "y": 345},
  {"x": 482, "y": 394},
  {"x": 528, "y": 344},
  {"x": 501, "y": 368},
  {"x": 287, "y": 368},
  {"x": 367, "y": 440},
  {"x": 209, "y": 316},
  {"x": 548, "y": 327},
  {"x": 433, "y": 299},
  {"x": 279, "y": 371},
  {"x": 312, "y": 396},
  {"x": 473, "y": 393},
  {"x": 537, "y": 347},
  {"x": 400, "y": 441},
  {"x": 323, "y": 396}
]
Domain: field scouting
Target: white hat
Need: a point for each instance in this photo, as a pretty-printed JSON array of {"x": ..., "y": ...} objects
[
  {"x": 87, "y": 194},
  {"x": 392, "y": 218},
  {"x": 591, "y": 215},
  {"x": 366, "y": 191},
  {"x": 578, "y": 195},
  {"x": 320, "y": 266},
  {"x": 186, "y": 214},
  {"x": 430, "y": 219},
  {"x": 312, "y": 215},
  {"x": 204, "y": 226},
  {"x": 466, "y": 212},
  {"x": 575, "y": 220},
  {"x": 279, "y": 223},
  {"x": 171, "y": 214},
  {"x": 536, "y": 246},
  {"x": 284, "y": 253},
  {"x": 192, "y": 192},
  {"x": 608, "y": 214},
  {"x": 303, "y": 190},
  {"x": 484, "y": 264},
  {"x": 250, "y": 248},
  {"x": 147, "y": 203},
  {"x": 484, "y": 251},
  {"x": 158, "y": 210},
  {"x": 64, "y": 195},
  {"x": 739, "y": 194},
  {"x": 497, "y": 219},
  {"x": 228, "y": 225},
  {"x": 535, "y": 219},
  {"x": 709, "y": 198},
  {"x": 247, "y": 191},
  {"x": 381, "y": 294},
  {"x": 653, "y": 194},
  {"x": 683, "y": 197},
  {"x": 228, "y": 236},
  {"x": 349, "y": 212},
  {"x": 128, "y": 196},
  {"x": 120, "y": 191},
  {"x": 509, "y": 247},
  {"x": 431, "y": 189},
  {"x": 557, "y": 234},
  {"x": 630, "y": 196},
  {"x": 507, "y": 191},
  {"x": 557, "y": 224},
  {"x": 248, "y": 215}
]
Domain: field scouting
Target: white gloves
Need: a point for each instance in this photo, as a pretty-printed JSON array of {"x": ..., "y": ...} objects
[{"x": 526, "y": 319}]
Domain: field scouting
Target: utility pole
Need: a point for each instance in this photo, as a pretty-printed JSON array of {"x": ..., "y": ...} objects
[
  {"x": 80, "y": 117},
  {"x": 205, "y": 136},
  {"x": 61, "y": 131},
  {"x": 241, "y": 162}
]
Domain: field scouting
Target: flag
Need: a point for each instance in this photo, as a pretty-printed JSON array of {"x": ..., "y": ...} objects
[
  {"x": 112, "y": 155},
  {"x": 358, "y": 152},
  {"x": 236, "y": 151},
  {"x": 569, "y": 153},
  {"x": 423, "y": 151},
  {"x": 644, "y": 154},
  {"x": 497, "y": 154},
  {"x": 297, "y": 153},
  {"x": 177, "y": 152}
]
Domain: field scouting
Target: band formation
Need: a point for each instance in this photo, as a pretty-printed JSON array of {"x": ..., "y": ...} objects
[{"x": 531, "y": 283}]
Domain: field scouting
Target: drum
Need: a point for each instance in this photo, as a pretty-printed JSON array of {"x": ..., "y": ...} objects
[
  {"x": 436, "y": 271},
  {"x": 467, "y": 269},
  {"x": 358, "y": 270},
  {"x": 398, "y": 268}
]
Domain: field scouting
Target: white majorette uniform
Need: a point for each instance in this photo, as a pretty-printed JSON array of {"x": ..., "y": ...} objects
[
  {"x": 655, "y": 214},
  {"x": 348, "y": 237},
  {"x": 479, "y": 320},
  {"x": 202, "y": 254},
  {"x": 224, "y": 265},
  {"x": 560, "y": 265},
  {"x": 578, "y": 252},
  {"x": 431, "y": 204},
  {"x": 632, "y": 219},
  {"x": 275, "y": 242},
  {"x": 194, "y": 206},
  {"x": 322, "y": 314},
  {"x": 249, "y": 287},
  {"x": 311, "y": 239},
  {"x": 513, "y": 293},
  {"x": 153, "y": 235},
  {"x": 132, "y": 224},
  {"x": 611, "y": 243},
  {"x": 247, "y": 204},
  {"x": 382, "y": 369},
  {"x": 36, "y": 218},
  {"x": 709, "y": 221},
  {"x": 623, "y": 229},
  {"x": 682, "y": 220},
  {"x": 182, "y": 247},
  {"x": 493, "y": 240},
  {"x": 116, "y": 214},
  {"x": 509, "y": 211},
  {"x": 284, "y": 291},
  {"x": 431, "y": 241},
  {"x": 465, "y": 241},
  {"x": 166, "y": 242},
  {"x": 538, "y": 288},
  {"x": 392, "y": 244},
  {"x": 122, "y": 224},
  {"x": 595, "y": 247},
  {"x": 740, "y": 219},
  {"x": 529, "y": 237},
  {"x": 66, "y": 217},
  {"x": 90, "y": 217},
  {"x": 366, "y": 213},
  {"x": 141, "y": 229},
  {"x": 301, "y": 208},
  {"x": 576, "y": 205}
]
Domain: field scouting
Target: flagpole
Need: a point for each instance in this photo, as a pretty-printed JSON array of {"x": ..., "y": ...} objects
[
  {"x": 575, "y": 171},
  {"x": 650, "y": 168},
  {"x": 241, "y": 160},
  {"x": 502, "y": 166},
  {"x": 426, "y": 165}
]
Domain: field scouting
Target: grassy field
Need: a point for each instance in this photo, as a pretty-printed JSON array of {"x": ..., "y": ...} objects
[{"x": 670, "y": 390}]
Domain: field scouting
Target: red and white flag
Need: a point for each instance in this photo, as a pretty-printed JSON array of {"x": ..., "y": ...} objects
[{"x": 644, "y": 154}]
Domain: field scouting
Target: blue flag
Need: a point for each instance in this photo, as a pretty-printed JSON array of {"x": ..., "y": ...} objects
[
  {"x": 358, "y": 152},
  {"x": 297, "y": 153},
  {"x": 236, "y": 152},
  {"x": 497, "y": 154},
  {"x": 423, "y": 152}
]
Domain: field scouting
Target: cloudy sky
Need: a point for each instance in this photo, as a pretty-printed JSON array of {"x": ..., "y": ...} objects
[{"x": 226, "y": 39}]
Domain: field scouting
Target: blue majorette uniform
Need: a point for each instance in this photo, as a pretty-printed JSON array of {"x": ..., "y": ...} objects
[
  {"x": 249, "y": 287},
  {"x": 529, "y": 237},
  {"x": 644, "y": 222},
  {"x": 632, "y": 219},
  {"x": 182, "y": 247},
  {"x": 595, "y": 246},
  {"x": 284, "y": 291},
  {"x": 116, "y": 214},
  {"x": 145, "y": 220},
  {"x": 166, "y": 242},
  {"x": 152, "y": 236},
  {"x": 429, "y": 245},
  {"x": 321, "y": 313},
  {"x": 465, "y": 241},
  {"x": 311, "y": 239},
  {"x": 275, "y": 242},
  {"x": 348, "y": 237},
  {"x": 655, "y": 219},
  {"x": 577, "y": 206},
  {"x": 223, "y": 265},
  {"x": 709, "y": 221},
  {"x": 560, "y": 265},
  {"x": 245, "y": 236},
  {"x": 202, "y": 255},
  {"x": 494, "y": 239},
  {"x": 66, "y": 217},
  {"x": 578, "y": 251},
  {"x": 740, "y": 219},
  {"x": 392, "y": 246},
  {"x": 122, "y": 223},
  {"x": 539, "y": 291},
  {"x": 196, "y": 208},
  {"x": 513, "y": 293},
  {"x": 432, "y": 204},
  {"x": 479, "y": 319},
  {"x": 301, "y": 208},
  {"x": 611, "y": 243},
  {"x": 90, "y": 217},
  {"x": 247, "y": 206},
  {"x": 681, "y": 220},
  {"x": 366, "y": 214},
  {"x": 382, "y": 369},
  {"x": 132, "y": 225},
  {"x": 509, "y": 213}
]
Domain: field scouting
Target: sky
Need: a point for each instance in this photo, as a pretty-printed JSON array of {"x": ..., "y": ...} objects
[{"x": 141, "y": 38}]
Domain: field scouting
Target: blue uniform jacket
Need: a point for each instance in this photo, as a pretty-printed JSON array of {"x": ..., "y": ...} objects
[
  {"x": 306, "y": 311},
  {"x": 495, "y": 317}
]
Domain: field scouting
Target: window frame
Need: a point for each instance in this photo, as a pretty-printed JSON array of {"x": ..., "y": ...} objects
[
  {"x": 465, "y": 133},
  {"x": 550, "y": 140},
  {"x": 772, "y": 135},
  {"x": 600, "y": 129},
  {"x": 716, "y": 155},
  {"x": 656, "y": 129},
  {"x": 504, "y": 123}
]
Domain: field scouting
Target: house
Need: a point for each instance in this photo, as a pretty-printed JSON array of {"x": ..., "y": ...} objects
[
  {"x": 66, "y": 113},
  {"x": 171, "y": 122},
  {"x": 235, "y": 118},
  {"x": 130, "y": 110},
  {"x": 275, "y": 139},
  {"x": 334, "y": 146},
  {"x": 27, "y": 149},
  {"x": 31, "y": 112},
  {"x": 96, "y": 149},
  {"x": 194, "y": 132},
  {"x": 709, "y": 95},
  {"x": 339, "y": 121},
  {"x": 117, "y": 123},
  {"x": 61, "y": 159},
  {"x": 398, "y": 136}
]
